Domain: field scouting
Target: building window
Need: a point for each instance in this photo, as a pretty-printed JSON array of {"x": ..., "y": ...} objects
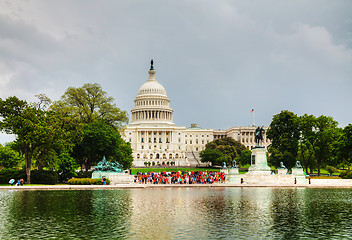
[
  {"x": 142, "y": 140},
  {"x": 202, "y": 141},
  {"x": 197, "y": 149},
  {"x": 154, "y": 140},
  {"x": 179, "y": 140},
  {"x": 150, "y": 147},
  {"x": 190, "y": 142},
  {"x": 186, "y": 142},
  {"x": 167, "y": 140},
  {"x": 150, "y": 140},
  {"x": 186, "y": 135},
  {"x": 130, "y": 140},
  {"x": 142, "y": 147},
  {"x": 196, "y": 141},
  {"x": 159, "y": 140},
  {"x": 202, "y": 135}
]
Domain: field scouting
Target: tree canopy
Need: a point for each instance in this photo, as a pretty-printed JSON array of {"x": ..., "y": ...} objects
[
  {"x": 284, "y": 135},
  {"x": 222, "y": 150},
  {"x": 89, "y": 103}
]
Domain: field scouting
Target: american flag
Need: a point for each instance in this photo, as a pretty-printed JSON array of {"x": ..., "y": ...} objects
[{"x": 252, "y": 110}]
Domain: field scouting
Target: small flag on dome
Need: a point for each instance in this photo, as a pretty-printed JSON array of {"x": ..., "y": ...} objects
[{"x": 252, "y": 110}]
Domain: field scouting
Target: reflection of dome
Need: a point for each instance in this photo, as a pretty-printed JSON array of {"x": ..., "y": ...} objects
[{"x": 151, "y": 103}]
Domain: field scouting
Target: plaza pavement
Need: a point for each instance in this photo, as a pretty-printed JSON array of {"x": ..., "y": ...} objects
[{"x": 315, "y": 183}]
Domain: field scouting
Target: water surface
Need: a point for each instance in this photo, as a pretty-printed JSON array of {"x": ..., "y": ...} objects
[{"x": 177, "y": 213}]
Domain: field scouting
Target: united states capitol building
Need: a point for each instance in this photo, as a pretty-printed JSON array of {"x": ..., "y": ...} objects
[{"x": 156, "y": 140}]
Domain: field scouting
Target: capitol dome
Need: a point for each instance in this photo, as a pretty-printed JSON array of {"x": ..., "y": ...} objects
[
  {"x": 151, "y": 86},
  {"x": 151, "y": 104}
]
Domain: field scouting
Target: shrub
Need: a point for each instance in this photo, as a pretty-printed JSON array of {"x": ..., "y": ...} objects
[
  {"x": 37, "y": 177},
  {"x": 87, "y": 181},
  {"x": 346, "y": 174},
  {"x": 44, "y": 177},
  {"x": 7, "y": 174},
  {"x": 330, "y": 169},
  {"x": 84, "y": 174}
]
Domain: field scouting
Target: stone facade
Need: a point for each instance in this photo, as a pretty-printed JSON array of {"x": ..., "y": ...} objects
[{"x": 156, "y": 140}]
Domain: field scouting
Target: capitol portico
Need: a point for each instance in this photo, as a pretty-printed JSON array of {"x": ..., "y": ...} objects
[{"x": 154, "y": 138}]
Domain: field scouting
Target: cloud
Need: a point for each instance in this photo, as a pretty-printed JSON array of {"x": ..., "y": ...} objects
[{"x": 216, "y": 60}]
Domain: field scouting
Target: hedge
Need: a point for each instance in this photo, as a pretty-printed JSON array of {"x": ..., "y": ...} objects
[
  {"x": 346, "y": 174},
  {"x": 37, "y": 177},
  {"x": 87, "y": 181},
  {"x": 84, "y": 174}
]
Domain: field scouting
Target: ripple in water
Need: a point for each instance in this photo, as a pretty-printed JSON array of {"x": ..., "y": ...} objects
[{"x": 177, "y": 213}]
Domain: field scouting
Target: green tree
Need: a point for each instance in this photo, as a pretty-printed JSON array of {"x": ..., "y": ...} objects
[
  {"x": 38, "y": 131},
  {"x": 245, "y": 157},
  {"x": 306, "y": 156},
  {"x": 344, "y": 146},
  {"x": 213, "y": 156},
  {"x": 66, "y": 167},
  {"x": 325, "y": 133},
  {"x": 90, "y": 103},
  {"x": 284, "y": 135},
  {"x": 222, "y": 150},
  {"x": 100, "y": 139}
]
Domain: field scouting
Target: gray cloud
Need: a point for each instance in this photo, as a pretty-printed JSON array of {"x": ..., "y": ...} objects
[{"x": 217, "y": 60}]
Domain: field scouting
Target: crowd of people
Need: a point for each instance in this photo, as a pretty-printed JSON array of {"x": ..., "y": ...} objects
[{"x": 180, "y": 177}]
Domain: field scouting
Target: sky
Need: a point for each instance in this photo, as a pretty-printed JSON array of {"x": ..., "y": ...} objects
[{"x": 216, "y": 59}]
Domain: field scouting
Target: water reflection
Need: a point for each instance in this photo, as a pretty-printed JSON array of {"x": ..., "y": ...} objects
[{"x": 177, "y": 213}]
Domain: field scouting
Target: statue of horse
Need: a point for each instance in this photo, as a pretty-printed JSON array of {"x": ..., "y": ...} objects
[{"x": 259, "y": 136}]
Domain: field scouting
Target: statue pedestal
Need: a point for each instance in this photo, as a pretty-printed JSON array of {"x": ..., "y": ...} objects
[
  {"x": 233, "y": 176},
  {"x": 298, "y": 174},
  {"x": 259, "y": 164},
  {"x": 282, "y": 171},
  {"x": 114, "y": 177},
  {"x": 297, "y": 171},
  {"x": 224, "y": 170}
]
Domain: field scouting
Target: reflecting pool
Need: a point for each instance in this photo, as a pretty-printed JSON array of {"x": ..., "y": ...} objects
[{"x": 177, "y": 213}]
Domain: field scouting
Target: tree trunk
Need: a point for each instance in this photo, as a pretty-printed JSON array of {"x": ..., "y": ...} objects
[
  {"x": 318, "y": 165},
  {"x": 28, "y": 164},
  {"x": 41, "y": 165}
]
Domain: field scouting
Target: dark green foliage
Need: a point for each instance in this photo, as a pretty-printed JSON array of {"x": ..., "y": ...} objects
[
  {"x": 44, "y": 177},
  {"x": 284, "y": 135},
  {"x": 84, "y": 174},
  {"x": 101, "y": 139},
  {"x": 245, "y": 157},
  {"x": 87, "y": 181},
  {"x": 346, "y": 174},
  {"x": 222, "y": 150},
  {"x": 38, "y": 176},
  {"x": 66, "y": 167},
  {"x": 7, "y": 174}
]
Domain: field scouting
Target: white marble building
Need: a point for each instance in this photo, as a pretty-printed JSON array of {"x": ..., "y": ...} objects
[{"x": 156, "y": 140}]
